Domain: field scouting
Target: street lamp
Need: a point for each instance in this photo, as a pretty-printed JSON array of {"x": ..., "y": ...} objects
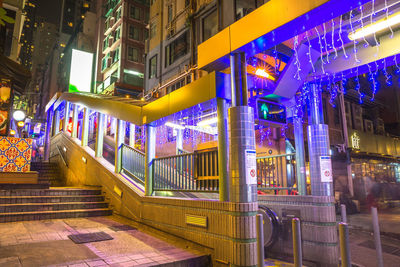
[{"x": 19, "y": 115}]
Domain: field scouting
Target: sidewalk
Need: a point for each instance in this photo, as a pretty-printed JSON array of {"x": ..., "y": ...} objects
[
  {"x": 389, "y": 222},
  {"x": 46, "y": 243}
]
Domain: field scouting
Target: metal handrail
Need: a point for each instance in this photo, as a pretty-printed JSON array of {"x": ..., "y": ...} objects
[
  {"x": 277, "y": 156},
  {"x": 61, "y": 155},
  {"x": 133, "y": 163},
  {"x": 136, "y": 150}
]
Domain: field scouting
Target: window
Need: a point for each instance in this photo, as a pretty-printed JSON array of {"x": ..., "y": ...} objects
[
  {"x": 116, "y": 55},
  {"x": 187, "y": 2},
  {"x": 104, "y": 63},
  {"x": 117, "y": 34},
  {"x": 106, "y": 26},
  {"x": 134, "y": 33},
  {"x": 210, "y": 25},
  {"x": 176, "y": 49},
  {"x": 135, "y": 12},
  {"x": 169, "y": 13},
  {"x": 105, "y": 43},
  {"x": 244, "y": 7},
  {"x": 153, "y": 67},
  {"x": 153, "y": 30},
  {"x": 133, "y": 54}
]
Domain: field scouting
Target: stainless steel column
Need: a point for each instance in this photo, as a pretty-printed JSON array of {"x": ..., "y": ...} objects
[
  {"x": 119, "y": 140},
  {"x": 223, "y": 149},
  {"x": 243, "y": 179},
  {"x": 300, "y": 160},
  {"x": 85, "y": 127},
  {"x": 318, "y": 147},
  {"x": 150, "y": 155},
  {"x": 75, "y": 122},
  {"x": 179, "y": 140},
  {"x": 66, "y": 116}
]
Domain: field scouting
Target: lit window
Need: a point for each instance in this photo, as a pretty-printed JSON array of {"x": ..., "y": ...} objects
[{"x": 70, "y": 24}]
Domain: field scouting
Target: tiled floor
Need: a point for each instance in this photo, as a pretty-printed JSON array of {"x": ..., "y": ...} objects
[{"x": 46, "y": 243}]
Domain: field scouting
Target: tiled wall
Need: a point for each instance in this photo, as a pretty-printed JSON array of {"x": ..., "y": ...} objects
[{"x": 15, "y": 154}]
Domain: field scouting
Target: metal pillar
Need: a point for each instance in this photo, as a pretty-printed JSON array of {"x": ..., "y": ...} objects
[
  {"x": 66, "y": 116},
  {"x": 179, "y": 140},
  {"x": 150, "y": 155},
  {"x": 242, "y": 149},
  {"x": 344, "y": 244},
  {"x": 132, "y": 134},
  {"x": 49, "y": 124},
  {"x": 300, "y": 162},
  {"x": 377, "y": 236},
  {"x": 99, "y": 135},
  {"x": 85, "y": 127},
  {"x": 318, "y": 147},
  {"x": 297, "y": 249},
  {"x": 223, "y": 149},
  {"x": 119, "y": 140},
  {"x": 75, "y": 121}
]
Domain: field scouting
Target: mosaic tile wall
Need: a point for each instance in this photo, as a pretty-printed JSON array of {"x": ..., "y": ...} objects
[{"x": 15, "y": 154}]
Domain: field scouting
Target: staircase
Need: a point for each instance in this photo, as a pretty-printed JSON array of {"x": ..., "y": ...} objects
[
  {"x": 57, "y": 203},
  {"x": 48, "y": 173}
]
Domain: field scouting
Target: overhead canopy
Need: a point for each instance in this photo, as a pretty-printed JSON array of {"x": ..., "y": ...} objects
[{"x": 19, "y": 75}]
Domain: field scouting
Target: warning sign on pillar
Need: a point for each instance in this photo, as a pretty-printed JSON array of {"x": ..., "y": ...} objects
[
  {"x": 326, "y": 169},
  {"x": 251, "y": 167}
]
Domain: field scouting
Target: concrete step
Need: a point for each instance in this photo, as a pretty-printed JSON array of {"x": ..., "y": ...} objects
[
  {"x": 39, "y": 185},
  {"x": 56, "y": 214},
  {"x": 26, "y": 207},
  {"x": 50, "y": 199},
  {"x": 50, "y": 192}
]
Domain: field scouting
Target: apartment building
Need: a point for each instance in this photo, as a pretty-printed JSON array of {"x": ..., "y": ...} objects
[{"x": 121, "y": 51}]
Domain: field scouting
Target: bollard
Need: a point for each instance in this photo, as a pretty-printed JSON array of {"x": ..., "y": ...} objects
[
  {"x": 343, "y": 213},
  {"x": 260, "y": 240},
  {"x": 377, "y": 236},
  {"x": 344, "y": 244},
  {"x": 296, "y": 233}
]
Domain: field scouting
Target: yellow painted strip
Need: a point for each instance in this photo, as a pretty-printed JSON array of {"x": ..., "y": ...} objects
[{"x": 196, "y": 220}]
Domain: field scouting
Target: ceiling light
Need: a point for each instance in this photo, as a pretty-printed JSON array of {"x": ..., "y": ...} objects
[
  {"x": 208, "y": 122},
  {"x": 264, "y": 74},
  {"x": 174, "y": 125},
  {"x": 375, "y": 27}
]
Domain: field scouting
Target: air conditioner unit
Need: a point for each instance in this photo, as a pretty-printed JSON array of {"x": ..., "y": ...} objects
[
  {"x": 356, "y": 112},
  {"x": 380, "y": 126},
  {"x": 369, "y": 126},
  {"x": 347, "y": 108}
]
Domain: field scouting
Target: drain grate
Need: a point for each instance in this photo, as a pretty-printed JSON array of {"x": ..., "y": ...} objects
[
  {"x": 90, "y": 237},
  {"x": 123, "y": 227},
  {"x": 385, "y": 248}
]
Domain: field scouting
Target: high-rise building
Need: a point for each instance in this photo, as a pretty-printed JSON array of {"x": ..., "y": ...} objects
[
  {"x": 176, "y": 28},
  {"x": 120, "y": 63}
]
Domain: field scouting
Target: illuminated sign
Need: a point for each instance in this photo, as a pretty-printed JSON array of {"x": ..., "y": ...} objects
[
  {"x": 355, "y": 141},
  {"x": 80, "y": 77},
  {"x": 271, "y": 112}
]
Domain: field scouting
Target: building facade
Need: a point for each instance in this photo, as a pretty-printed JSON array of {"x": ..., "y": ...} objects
[{"x": 120, "y": 62}]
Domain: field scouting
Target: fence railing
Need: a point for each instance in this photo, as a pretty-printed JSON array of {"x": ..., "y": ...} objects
[
  {"x": 133, "y": 163},
  {"x": 273, "y": 172},
  {"x": 196, "y": 171}
]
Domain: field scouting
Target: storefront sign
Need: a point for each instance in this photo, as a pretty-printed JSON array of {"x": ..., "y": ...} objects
[
  {"x": 355, "y": 141},
  {"x": 326, "y": 169},
  {"x": 5, "y": 106},
  {"x": 271, "y": 112},
  {"x": 251, "y": 167}
]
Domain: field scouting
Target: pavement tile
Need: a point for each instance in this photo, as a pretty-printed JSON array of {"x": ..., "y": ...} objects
[
  {"x": 137, "y": 256},
  {"x": 78, "y": 265},
  {"x": 96, "y": 263},
  {"x": 117, "y": 259},
  {"x": 144, "y": 260}
]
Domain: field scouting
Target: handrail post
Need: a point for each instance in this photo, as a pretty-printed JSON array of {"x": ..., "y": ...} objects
[
  {"x": 150, "y": 155},
  {"x": 297, "y": 251},
  {"x": 119, "y": 139},
  {"x": 344, "y": 244}
]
